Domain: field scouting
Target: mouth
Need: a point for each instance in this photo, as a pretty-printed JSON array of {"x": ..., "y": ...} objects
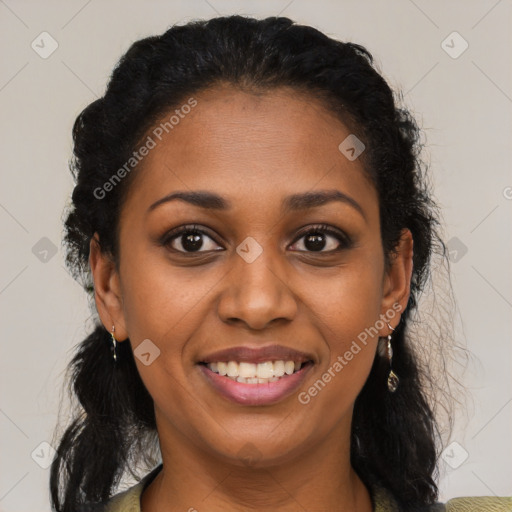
[
  {"x": 255, "y": 373},
  {"x": 256, "y": 376}
]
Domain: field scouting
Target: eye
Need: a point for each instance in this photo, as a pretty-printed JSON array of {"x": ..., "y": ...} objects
[
  {"x": 188, "y": 239},
  {"x": 316, "y": 239}
]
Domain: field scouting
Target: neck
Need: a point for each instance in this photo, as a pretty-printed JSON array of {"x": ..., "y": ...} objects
[{"x": 321, "y": 478}]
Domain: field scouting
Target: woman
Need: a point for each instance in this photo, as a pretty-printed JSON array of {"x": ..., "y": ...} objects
[{"x": 252, "y": 218}]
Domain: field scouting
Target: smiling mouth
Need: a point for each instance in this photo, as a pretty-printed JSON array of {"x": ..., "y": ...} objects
[
  {"x": 256, "y": 373},
  {"x": 256, "y": 384}
]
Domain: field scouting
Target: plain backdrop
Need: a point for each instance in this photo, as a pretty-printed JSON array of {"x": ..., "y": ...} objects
[{"x": 462, "y": 97}]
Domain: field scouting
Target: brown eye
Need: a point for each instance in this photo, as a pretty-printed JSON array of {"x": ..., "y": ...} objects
[
  {"x": 324, "y": 239},
  {"x": 189, "y": 239}
]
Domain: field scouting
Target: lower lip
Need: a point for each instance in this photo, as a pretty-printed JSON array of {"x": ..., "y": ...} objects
[{"x": 256, "y": 394}]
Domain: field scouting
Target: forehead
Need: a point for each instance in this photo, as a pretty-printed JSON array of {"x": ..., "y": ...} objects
[{"x": 248, "y": 146}]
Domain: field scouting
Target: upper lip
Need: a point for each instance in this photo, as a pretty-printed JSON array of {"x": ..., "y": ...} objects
[{"x": 257, "y": 355}]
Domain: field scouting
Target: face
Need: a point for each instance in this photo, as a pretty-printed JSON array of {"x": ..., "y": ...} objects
[{"x": 265, "y": 277}]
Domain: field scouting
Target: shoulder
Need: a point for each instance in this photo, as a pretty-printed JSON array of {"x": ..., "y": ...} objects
[
  {"x": 479, "y": 504},
  {"x": 129, "y": 501},
  {"x": 473, "y": 504},
  {"x": 384, "y": 501},
  {"x": 125, "y": 501}
]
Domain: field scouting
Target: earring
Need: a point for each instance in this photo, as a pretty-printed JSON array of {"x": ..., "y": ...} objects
[
  {"x": 114, "y": 344},
  {"x": 393, "y": 379}
]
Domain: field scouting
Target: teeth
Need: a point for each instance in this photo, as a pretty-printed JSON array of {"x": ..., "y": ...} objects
[
  {"x": 232, "y": 369},
  {"x": 265, "y": 370},
  {"x": 279, "y": 368},
  {"x": 289, "y": 367},
  {"x": 247, "y": 370},
  {"x": 252, "y": 373}
]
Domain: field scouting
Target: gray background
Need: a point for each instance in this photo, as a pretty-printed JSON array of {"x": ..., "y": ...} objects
[{"x": 462, "y": 101}]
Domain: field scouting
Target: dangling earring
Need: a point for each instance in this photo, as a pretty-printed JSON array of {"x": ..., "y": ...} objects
[
  {"x": 393, "y": 379},
  {"x": 114, "y": 344}
]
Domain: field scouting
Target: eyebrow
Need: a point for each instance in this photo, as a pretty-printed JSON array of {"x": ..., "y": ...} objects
[{"x": 292, "y": 203}]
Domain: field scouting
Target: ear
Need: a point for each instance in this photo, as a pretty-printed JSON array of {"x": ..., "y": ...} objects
[
  {"x": 107, "y": 290},
  {"x": 397, "y": 282}
]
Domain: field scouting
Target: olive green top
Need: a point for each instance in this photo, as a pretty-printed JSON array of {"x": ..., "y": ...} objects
[{"x": 129, "y": 500}]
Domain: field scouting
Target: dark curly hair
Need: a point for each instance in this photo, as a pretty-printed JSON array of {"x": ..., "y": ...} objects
[{"x": 395, "y": 436}]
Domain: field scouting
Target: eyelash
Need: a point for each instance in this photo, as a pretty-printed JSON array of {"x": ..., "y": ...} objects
[{"x": 344, "y": 240}]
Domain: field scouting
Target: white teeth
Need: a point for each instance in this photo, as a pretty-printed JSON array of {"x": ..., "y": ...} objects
[
  {"x": 289, "y": 367},
  {"x": 265, "y": 370},
  {"x": 247, "y": 370},
  {"x": 252, "y": 373},
  {"x": 279, "y": 368},
  {"x": 222, "y": 368},
  {"x": 232, "y": 369}
]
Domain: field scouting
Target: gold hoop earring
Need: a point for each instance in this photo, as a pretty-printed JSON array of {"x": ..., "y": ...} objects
[{"x": 393, "y": 379}]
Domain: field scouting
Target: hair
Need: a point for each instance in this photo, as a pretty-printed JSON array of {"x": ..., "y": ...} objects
[{"x": 395, "y": 436}]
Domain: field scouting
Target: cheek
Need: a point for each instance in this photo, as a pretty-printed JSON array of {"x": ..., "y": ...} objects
[
  {"x": 348, "y": 327},
  {"x": 347, "y": 309},
  {"x": 348, "y": 302},
  {"x": 161, "y": 301},
  {"x": 164, "y": 305}
]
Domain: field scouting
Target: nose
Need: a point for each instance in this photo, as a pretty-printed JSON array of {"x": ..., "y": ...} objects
[{"x": 256, "y": 293}]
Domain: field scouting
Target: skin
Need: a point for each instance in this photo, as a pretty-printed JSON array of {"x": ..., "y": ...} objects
[{"x": 253, "y": 150}]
